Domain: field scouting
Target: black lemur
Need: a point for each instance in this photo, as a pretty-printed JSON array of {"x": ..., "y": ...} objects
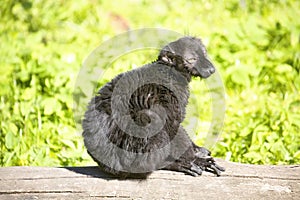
[{"x": 133, "y": 125}]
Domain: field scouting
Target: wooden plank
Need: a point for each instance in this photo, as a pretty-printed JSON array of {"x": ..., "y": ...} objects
[{"x": 240, "y": 181}]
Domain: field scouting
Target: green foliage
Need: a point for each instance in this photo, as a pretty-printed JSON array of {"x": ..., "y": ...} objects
[{"x": 254, "y": 44}]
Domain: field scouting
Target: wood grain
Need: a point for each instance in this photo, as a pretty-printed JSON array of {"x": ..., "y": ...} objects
[{"x": 240, "y": 181}]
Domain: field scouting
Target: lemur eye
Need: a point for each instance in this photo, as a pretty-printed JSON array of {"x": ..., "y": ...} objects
[{"x": 191, "y": 60}]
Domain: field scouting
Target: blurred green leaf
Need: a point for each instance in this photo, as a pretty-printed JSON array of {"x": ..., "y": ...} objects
[
  {"x": 254, "y": 156},
  {"x": 240, "y": 76},
  {"x": 11, "y": 139},
  {"x": 297, "y": 155},
  {"x": 29, "y": 93},
  {"x": 283, "y": 68},
  {"x": 51, "y": 105}
]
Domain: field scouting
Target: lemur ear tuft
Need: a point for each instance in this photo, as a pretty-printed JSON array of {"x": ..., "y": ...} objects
[{"x": 167, "y": 57}]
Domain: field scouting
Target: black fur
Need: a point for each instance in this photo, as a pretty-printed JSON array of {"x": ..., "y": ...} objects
[{"x": 133, "y": 126}]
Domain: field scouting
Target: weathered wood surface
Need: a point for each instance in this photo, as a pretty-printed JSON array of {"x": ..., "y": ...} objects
[{"x": 240, "y": 181}]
